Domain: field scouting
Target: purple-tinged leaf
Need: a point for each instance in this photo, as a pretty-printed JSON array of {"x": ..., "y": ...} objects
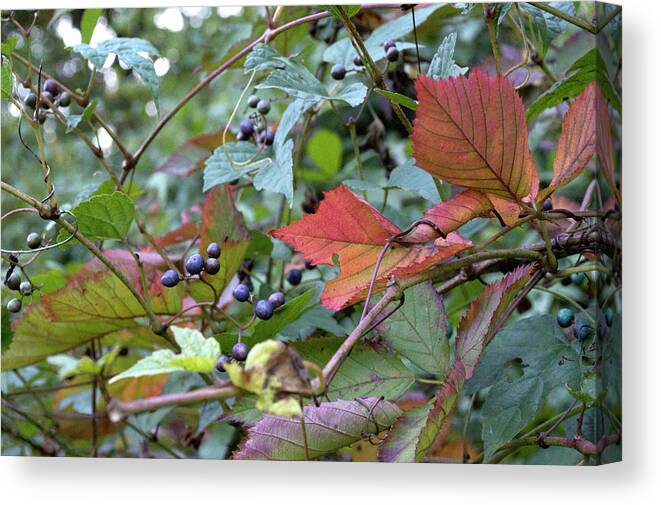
[
  {"x": 328, "y": 428},
  {"x": 477, "y": 326}
]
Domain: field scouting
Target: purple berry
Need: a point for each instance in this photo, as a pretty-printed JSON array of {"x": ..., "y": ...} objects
[
  {"x": 263, "y": 309},
  {"x": 213, "y": 250},
  {"x": 222, "y": 361},
  {"x": 267, "y": 137},
  {"x": 547, "y": 205},
  {"x": 212, "y": 266},
  {"x": 241, "y": 293},
  {"x": 357, "y": 61},
  {"x": 294, "y": 276},
  {"x": 247, "y": 128},
  {"x": 14, "y": 281},
  {"x": 388, "y": 44},
  {"x": 392, "y": 54},
  {"x": 338, "y": 72},
  {"x": 52, "y": 87},
  {"x": 277, "y": 299},
  {"x": 240, "y": 351},
  {"x": 170, "y": 278},
  {"x": 194, "y": 264}
]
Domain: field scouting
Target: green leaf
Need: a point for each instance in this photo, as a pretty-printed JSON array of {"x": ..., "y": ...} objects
[
  {"x": 398, "y": 98},
  {"x": 543, "y": 26},
  {"x": 350, "y": 10},
  {"x": 325, "y": 149},
  {"x": 232, "y": 161},
  {"x": 7, "y": 79},
  {"x": 9, "y": 45},
  {"x": 538, "y": 350},
  {"x": 75, "y": 119},
  {"x": 417, "y": 330},
  {"x": 409, "y": 177},
  {"x": 88, "y": 23},
  {"x": 442, "y": 64},
  {"x": 103, "y": 217},
  {"x": 589, "y": 67},
  {"x": 198, "y": 354},
  {"x": 295, "y": 79},
  {"x": 128, "y": 51},
  {"x": 244, "y": 411},
  {"x": 278, "y": 177},
  {"x": 367, "y": 371},
  {"x": 93, "y": 304},
  {"x": 6, "y": 332}
]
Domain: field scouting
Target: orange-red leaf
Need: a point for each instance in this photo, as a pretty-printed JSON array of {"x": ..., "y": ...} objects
[
  {"x": 451, "y": 214},
  {"x": 354, "y": 230},
  {"x": 605, "y": 149},
  {"x": 578, "y": 138},
  {"x": 190, "y": 156},
  {"x": 471, "y": 131}
]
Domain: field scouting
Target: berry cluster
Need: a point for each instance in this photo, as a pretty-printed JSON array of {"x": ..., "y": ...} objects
[
  {"x": 254, "y": 128},
  {"x": 15, "y": 282},
  {"x": 50, "y": 94},
  {"x": 195, "y": 265}
]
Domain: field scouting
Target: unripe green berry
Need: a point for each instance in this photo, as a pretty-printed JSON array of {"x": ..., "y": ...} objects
[
  {"x": 34, "y": 240},
  {"x": 25, "y": 288},
  {"x": 14, "y": 305}
]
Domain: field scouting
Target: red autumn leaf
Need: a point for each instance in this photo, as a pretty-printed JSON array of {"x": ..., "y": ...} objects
[
  {"x": 183, "y": 233},
  {"x": 451, "y": 214},
  {"x": 605, "y": 148},
  {"x": 190, "y": 156},
  {"x": 471, "y": 131},
  {"x": 577, "y": 140},
  {"x": 354, "y": 230}
]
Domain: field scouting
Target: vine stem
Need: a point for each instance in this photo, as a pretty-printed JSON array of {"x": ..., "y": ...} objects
[
  {"x": 118, "y": 410},
  {"x": 585, "y": 447},
  {"x": 45, "y": 210},
  {"x": 393, "y": 293}
]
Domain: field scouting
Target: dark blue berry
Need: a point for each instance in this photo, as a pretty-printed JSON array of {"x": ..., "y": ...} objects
[
  {"x": 240, "y": 136},
  {"x": 170, "y": 278},
  {"x": 64, "y": 99},
  {"x": 241, "y": 293},
  {"x": 14, "y": 305},
  {"x": 247, "y": 128},
  {"x": 212, "y": 266},
  {"x": 392, "y": 54},
  {"x": 263, "y": 309},
  {"x": 263, "y": 107},
  {"x": 253, "y": 100},
  {"x": 566, "y": 281},
  {"x": 195, "y": 264},
  {"x": 46, "y": 97},
  {"x": 547, "y": 205},
  {"x": 294, "y": 276},
  {"x": 388, "y": 44},
  {"x": 338, "y": 72},
  {"x": 222, "y": 361},
  {"x": 582, "y": 331},
  {"x": 309, "y": 265},
  {"x": 34, "y": 240},
  {"x": 565, "y": 317},
  {"x": 267, "y": 137},
  {"x": 240, "y": 351},
  {"x": 248, "y": 263},
  {"x": 31, "y": 100},
  {"x": 357, "y": 61},
  {"x": 277, "y": 299},
  {"x": 608, "y": 316},
  {"x": 14, "y": 281},
  {"x": 213, "y": 250},
  {"x": 51, "y": 87}
]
